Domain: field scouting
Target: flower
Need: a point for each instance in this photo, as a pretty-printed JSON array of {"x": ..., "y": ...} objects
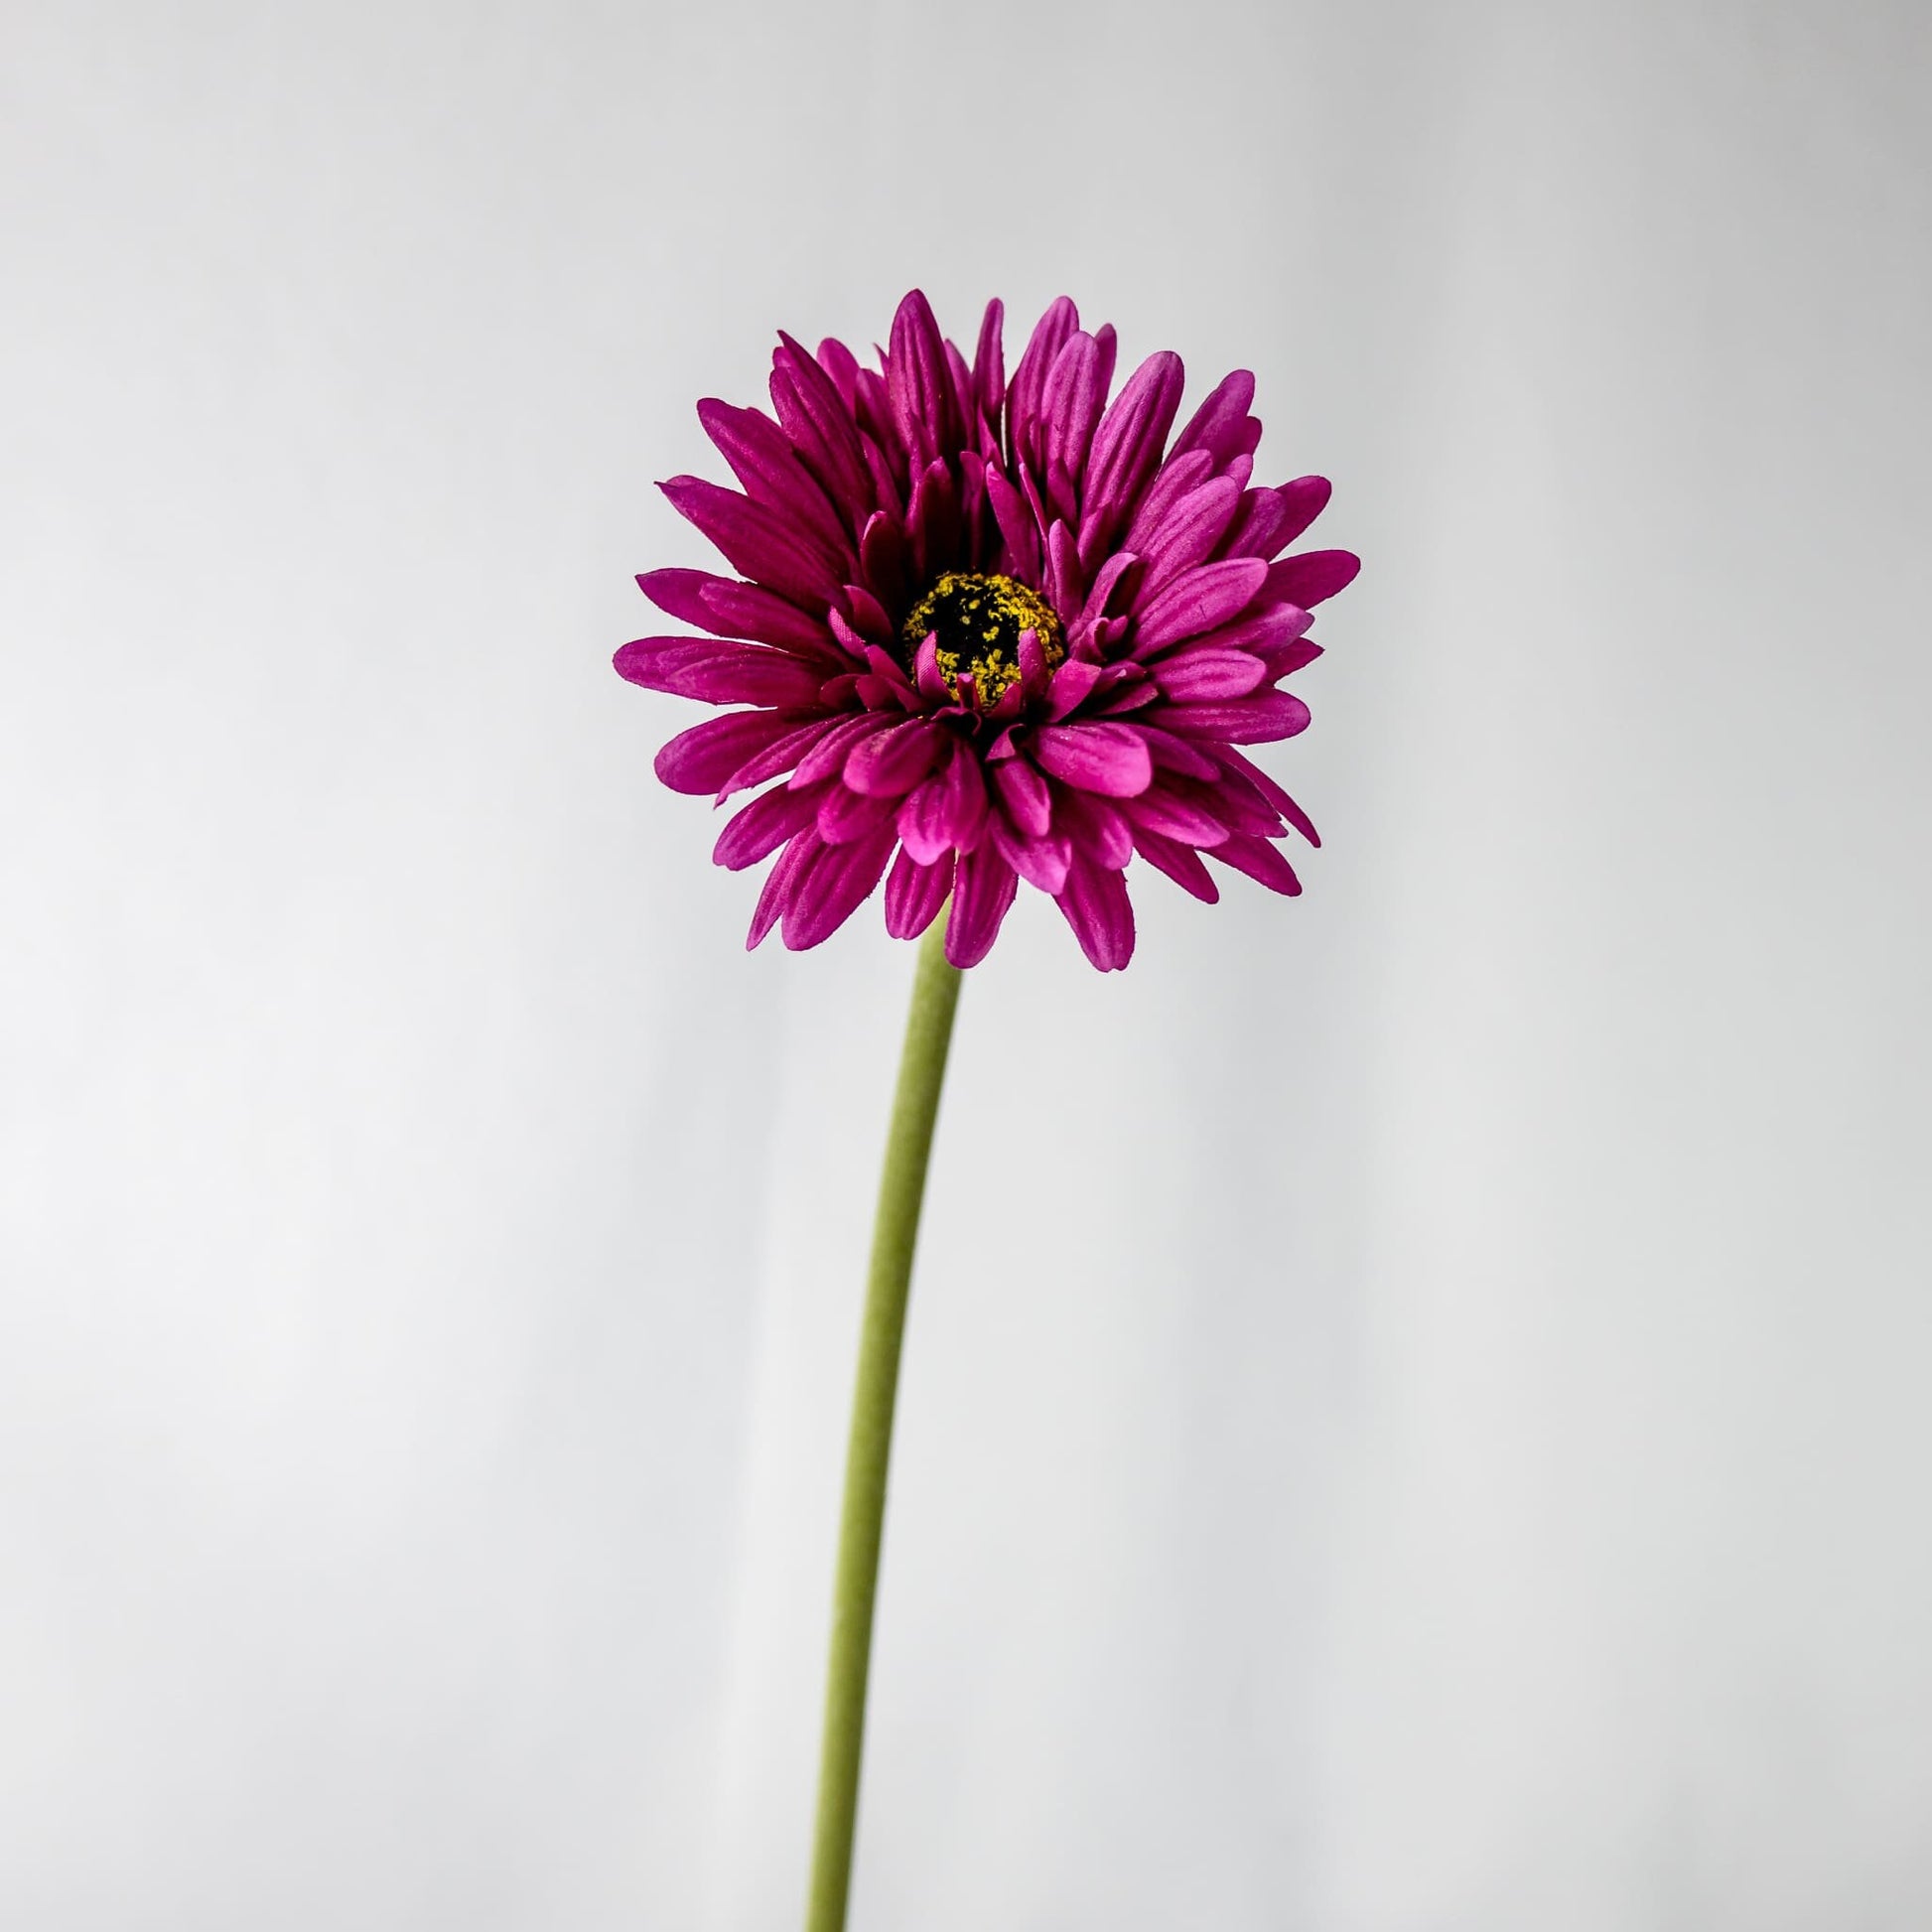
[{"x": 989, "y": 630}]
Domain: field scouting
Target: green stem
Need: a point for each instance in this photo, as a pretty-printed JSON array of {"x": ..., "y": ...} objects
[{"x": 901, "y": 1187}]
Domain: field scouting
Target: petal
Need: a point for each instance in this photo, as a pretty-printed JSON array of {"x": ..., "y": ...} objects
[
  {"x": 1167, "y": 808},
  {"x": 918, "y": 383},
  {"x": 1187, "y": 535},
  {"x": 1126, "y": 449},
  {"x": 780, "y": 755},
  {"x": 838, "y": 362},
  {"x": 1209, "y": 674},
  {"x": 1109, "y": 759},
  {"x": 1022, "y": 791},
  {"x": 702, "y": 759},
  {"x": 1071, "y": 404},
  {"x": 767, "y": 469},
  {"x": 1065, "y": 591},
  {"x": 827, "y": 757},
  {"x": 1271, "y": 519},
  {"x": 1311, "y": 576},
  {"x": 891, "y": 763},
  {"x": 1199, "y": 599},
  {"x": 983, "y": 889},
  {"x": 1182, "y": 863},
  {"x": 1171, "y": 754},
  {"x": 947, "y": 813},
  {"x": 1014, "y": 515},
  {"x": 915, "y": 893},
  {"x": 717, "y": 671},
  {"x": 844, "y": 814},
  {"x": 1095, "y": 826},
  {"x": 1260, "y": 861},
  {"x": 779, "y": 884},
  {"x": 1098, "y": 910},
  {"x": 1257, "y": 720},
  {"x": 1072, "y": 685},
  {"x": 767, "y": 823},
  {"x": 754, "y": 542},
  {"x": 886, "y": 558},
  {"x": 818, "y": 425},
  {"x": 1040, "y": 862},
  {"x": 1263, "y": 632},
  {"x": 933, "y": 521},
  {"x": 1271, "y": 792},
  {"x": 1172, "y": 481},
  {"x": 989, "y": 361},
  {"x": 732, "y": 610},
  {"x": 831, "y": 885},
  {"x": 1024, "y": 394},
  {"x": 1216, "y": 425}
]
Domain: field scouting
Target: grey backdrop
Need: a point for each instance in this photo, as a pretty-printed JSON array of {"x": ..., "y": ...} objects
[{"x": 1414, "y": 1415}]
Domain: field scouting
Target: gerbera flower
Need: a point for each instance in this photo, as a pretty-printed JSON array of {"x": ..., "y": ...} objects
[{"x": 989, "y": 630}]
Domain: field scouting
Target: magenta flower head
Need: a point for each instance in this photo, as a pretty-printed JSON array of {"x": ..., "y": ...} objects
[{"x": 987, "y": 631}]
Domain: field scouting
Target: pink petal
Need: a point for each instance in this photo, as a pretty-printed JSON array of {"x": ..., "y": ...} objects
[
  {"x": 816, "y": 417},
  {"x": 891, "y": 763},
  {"x": 1311, "y": 576},
  {"x": 717, "y": 671},
  {"x": 947, "y": 812},
  {"x": 1271, "y": 519},
  {"x": 832, "y": 885},
  {"x": 1167, "y": 809},
  {"x": 1171, "y": 754},
  {"x": 827, "y": 757},
  {"x": 1181, "y": 864},
  {"x": 768, "y": 471},
  {"x": 1270, "y": 791},
  {"x": 933, "y": 521},
  {"x": 1258, "y": 720},
  {"x": 919, "y": 382},
  {"x": 780, "y": 755},
  {"x": 989, "y": 362},
  {"x": 728, "y": 609},
  {"x": 1271, "y": 628},
  {"x": 1186, "y": 536},
  {"x": 1075, "y": 391},
  {"x": 1172, "y": 481},
  {"x": 1226, "y": 405},
  {"x": 983, "y": 889},
  {"x": 1022, "y": 791},
  {"x": 702, "y": 757},
  {"x": 1195, "y": 676},
  {"x": 1029, "y": 380},
  {"x": 1017, "y": 525},
  {"x": 1098, "y": 910},
  {"x": 755, "y": 542},
  {"x": 1199, "y": 599},
  {"x": 845, "y": 815},
  {"x": 1126, "y": 449},
  {"x": 1260, "y": 861},
  {"x": 767, "y": 823},
  {"x": 1040, "y": 862},
  {"x": 1072, "y": 685},
  {"x": 1095, "y": 826},
  {"x": 1108, "y": 759},
  {"x": 915, "y": 893},
  {"x": 779, "y": 884}
]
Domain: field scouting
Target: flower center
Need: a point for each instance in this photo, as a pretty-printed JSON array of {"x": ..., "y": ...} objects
[{"x": 976, "y": 620}]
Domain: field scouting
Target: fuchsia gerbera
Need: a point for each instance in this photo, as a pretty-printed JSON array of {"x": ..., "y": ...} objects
[{"x": 989, "y": 630}]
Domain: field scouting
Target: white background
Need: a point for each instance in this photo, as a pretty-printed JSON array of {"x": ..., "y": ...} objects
[{"x": 1415, "y": 1409}]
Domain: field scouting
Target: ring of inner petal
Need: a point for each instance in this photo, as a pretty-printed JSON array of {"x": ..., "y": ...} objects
[{"x": 975, "y": 619}]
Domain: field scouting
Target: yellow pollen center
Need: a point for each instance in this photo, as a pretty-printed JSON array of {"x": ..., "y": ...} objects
[{"x": 976, "y": 620}]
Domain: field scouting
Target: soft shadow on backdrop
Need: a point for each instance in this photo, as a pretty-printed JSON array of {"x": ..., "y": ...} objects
[{"x": 1430, "y": 1433}]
